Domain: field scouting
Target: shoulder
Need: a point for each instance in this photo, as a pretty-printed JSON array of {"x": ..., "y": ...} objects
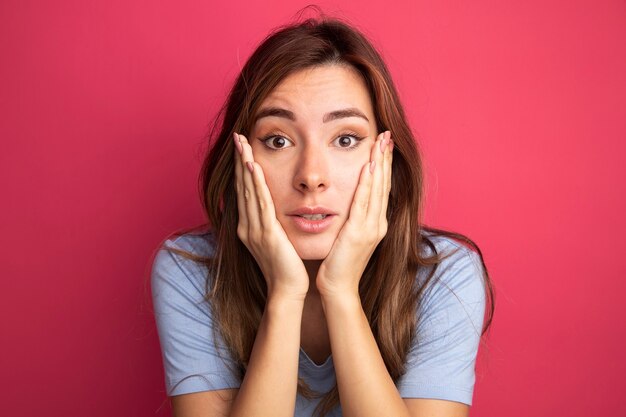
[
  {"x": 459, "y": 265},
  {"x": 180, "y": 263},
  {"x": 195, "y": 357},
  {"x": 458, "y": 281},
  {"x": 199, "y": 243},
  {"x": 441, "y": 361}
]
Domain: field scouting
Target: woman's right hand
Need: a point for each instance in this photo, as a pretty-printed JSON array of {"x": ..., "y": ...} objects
[{"x": 260, "y": 230}]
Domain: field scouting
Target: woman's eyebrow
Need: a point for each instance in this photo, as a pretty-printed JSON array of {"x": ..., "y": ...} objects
[
  {"x": 333, "y": 115},
  {"x": 340, "y": 114},
  {"x": 275, "y": 112}
]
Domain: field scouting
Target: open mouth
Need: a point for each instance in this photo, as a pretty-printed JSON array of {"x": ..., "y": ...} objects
[
  {"x": 313, "y": 223},
  {"x": 313, "y": 216}
]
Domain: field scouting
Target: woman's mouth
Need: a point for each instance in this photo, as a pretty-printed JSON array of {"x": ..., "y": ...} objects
[
  {"x": 314, "y": 216},
  {"x": 312, "y": 219},
  {"x": 312, "y": 223}
]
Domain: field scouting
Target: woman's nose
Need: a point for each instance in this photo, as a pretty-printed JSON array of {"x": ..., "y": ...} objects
[{"x": 311, "y": 170}]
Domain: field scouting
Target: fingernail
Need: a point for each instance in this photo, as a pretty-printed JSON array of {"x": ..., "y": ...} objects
[
  {"x": 250, "y": 166},
  {"x": 383, "y": 143},
  {"x": 372, "y": 166}
]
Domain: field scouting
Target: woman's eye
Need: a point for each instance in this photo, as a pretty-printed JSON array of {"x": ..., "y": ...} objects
[
  {"x": 347, "y": 141},
  {"x": 277, "y": 142}
]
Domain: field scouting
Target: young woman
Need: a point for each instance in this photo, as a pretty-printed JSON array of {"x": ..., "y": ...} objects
[{"x": 317, "y": 290}]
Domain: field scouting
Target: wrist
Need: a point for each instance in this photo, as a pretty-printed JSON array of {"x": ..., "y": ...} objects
[
  {"x": 333, "y": 284},
  {"x": 332, "y": 291},
  {"x": 280, "y": 300},
  {"x": 291, "y": 289},
  {"x": 340, "y": 300}
]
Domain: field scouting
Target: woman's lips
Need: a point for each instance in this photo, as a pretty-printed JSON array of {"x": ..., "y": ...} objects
[{"x": 310, "y": 225}]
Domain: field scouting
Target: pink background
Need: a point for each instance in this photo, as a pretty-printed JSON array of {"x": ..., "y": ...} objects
[{"x": 520, "y": 106}]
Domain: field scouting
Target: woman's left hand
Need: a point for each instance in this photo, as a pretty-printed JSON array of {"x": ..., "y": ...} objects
[{"x": 365, "y": 227}]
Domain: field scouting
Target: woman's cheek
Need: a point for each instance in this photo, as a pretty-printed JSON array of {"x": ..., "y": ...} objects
[
  {"x": 347, "y": 177},
  {"x": 272, "y": 177}
]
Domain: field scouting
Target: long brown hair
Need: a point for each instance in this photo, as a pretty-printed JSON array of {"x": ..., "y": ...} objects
[{"x": 389, "y": 292}]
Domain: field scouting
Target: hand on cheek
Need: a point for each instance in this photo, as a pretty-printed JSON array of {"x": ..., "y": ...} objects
[
  {"x": 366, "y": 226},
  {"x": 261, "y": 232}
]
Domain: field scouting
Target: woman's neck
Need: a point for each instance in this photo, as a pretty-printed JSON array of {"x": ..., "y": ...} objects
[
  {"x": 312, "y": 267},
  {"x": 314, "y": 338}
]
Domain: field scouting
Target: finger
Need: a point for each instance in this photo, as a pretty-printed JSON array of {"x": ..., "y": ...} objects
[
  {"x": 267, "y": 211},
  {"x": 361, "y": 198},
  {"x": 241, "y": 204},
  {"x": 388, "y": 160},
  {"x": 249, "y": 193},
  {"x": 376, "y": 194}
]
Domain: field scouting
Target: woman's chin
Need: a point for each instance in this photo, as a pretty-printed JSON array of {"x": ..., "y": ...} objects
[
  {"x": 312, "y": 249},
  {"x": 312, "y": 246},
  {"x": 312, "y": 254}
]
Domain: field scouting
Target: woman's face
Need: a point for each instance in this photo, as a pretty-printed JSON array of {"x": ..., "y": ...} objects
[{"x": 312, "y": 136}]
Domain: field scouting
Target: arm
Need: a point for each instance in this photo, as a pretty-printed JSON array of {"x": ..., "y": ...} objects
[
  {"x": 365, "y": 386},
  {"x": 269, "y": 385},
  {"x": 441, "y": 362},
  {"x": 270, "y": 382}
]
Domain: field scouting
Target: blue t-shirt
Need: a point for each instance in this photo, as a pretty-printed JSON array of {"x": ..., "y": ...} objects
[{"x": 440, "y": 364}]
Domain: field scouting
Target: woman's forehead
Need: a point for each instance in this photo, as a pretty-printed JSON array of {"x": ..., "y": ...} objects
[{"x": 320, "y": 90}]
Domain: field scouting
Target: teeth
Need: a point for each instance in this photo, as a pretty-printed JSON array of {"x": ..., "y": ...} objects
[{"x": 313, "y": 216}]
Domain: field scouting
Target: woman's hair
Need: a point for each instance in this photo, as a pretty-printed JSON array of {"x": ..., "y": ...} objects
[{"x": 389, "y": 290}]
